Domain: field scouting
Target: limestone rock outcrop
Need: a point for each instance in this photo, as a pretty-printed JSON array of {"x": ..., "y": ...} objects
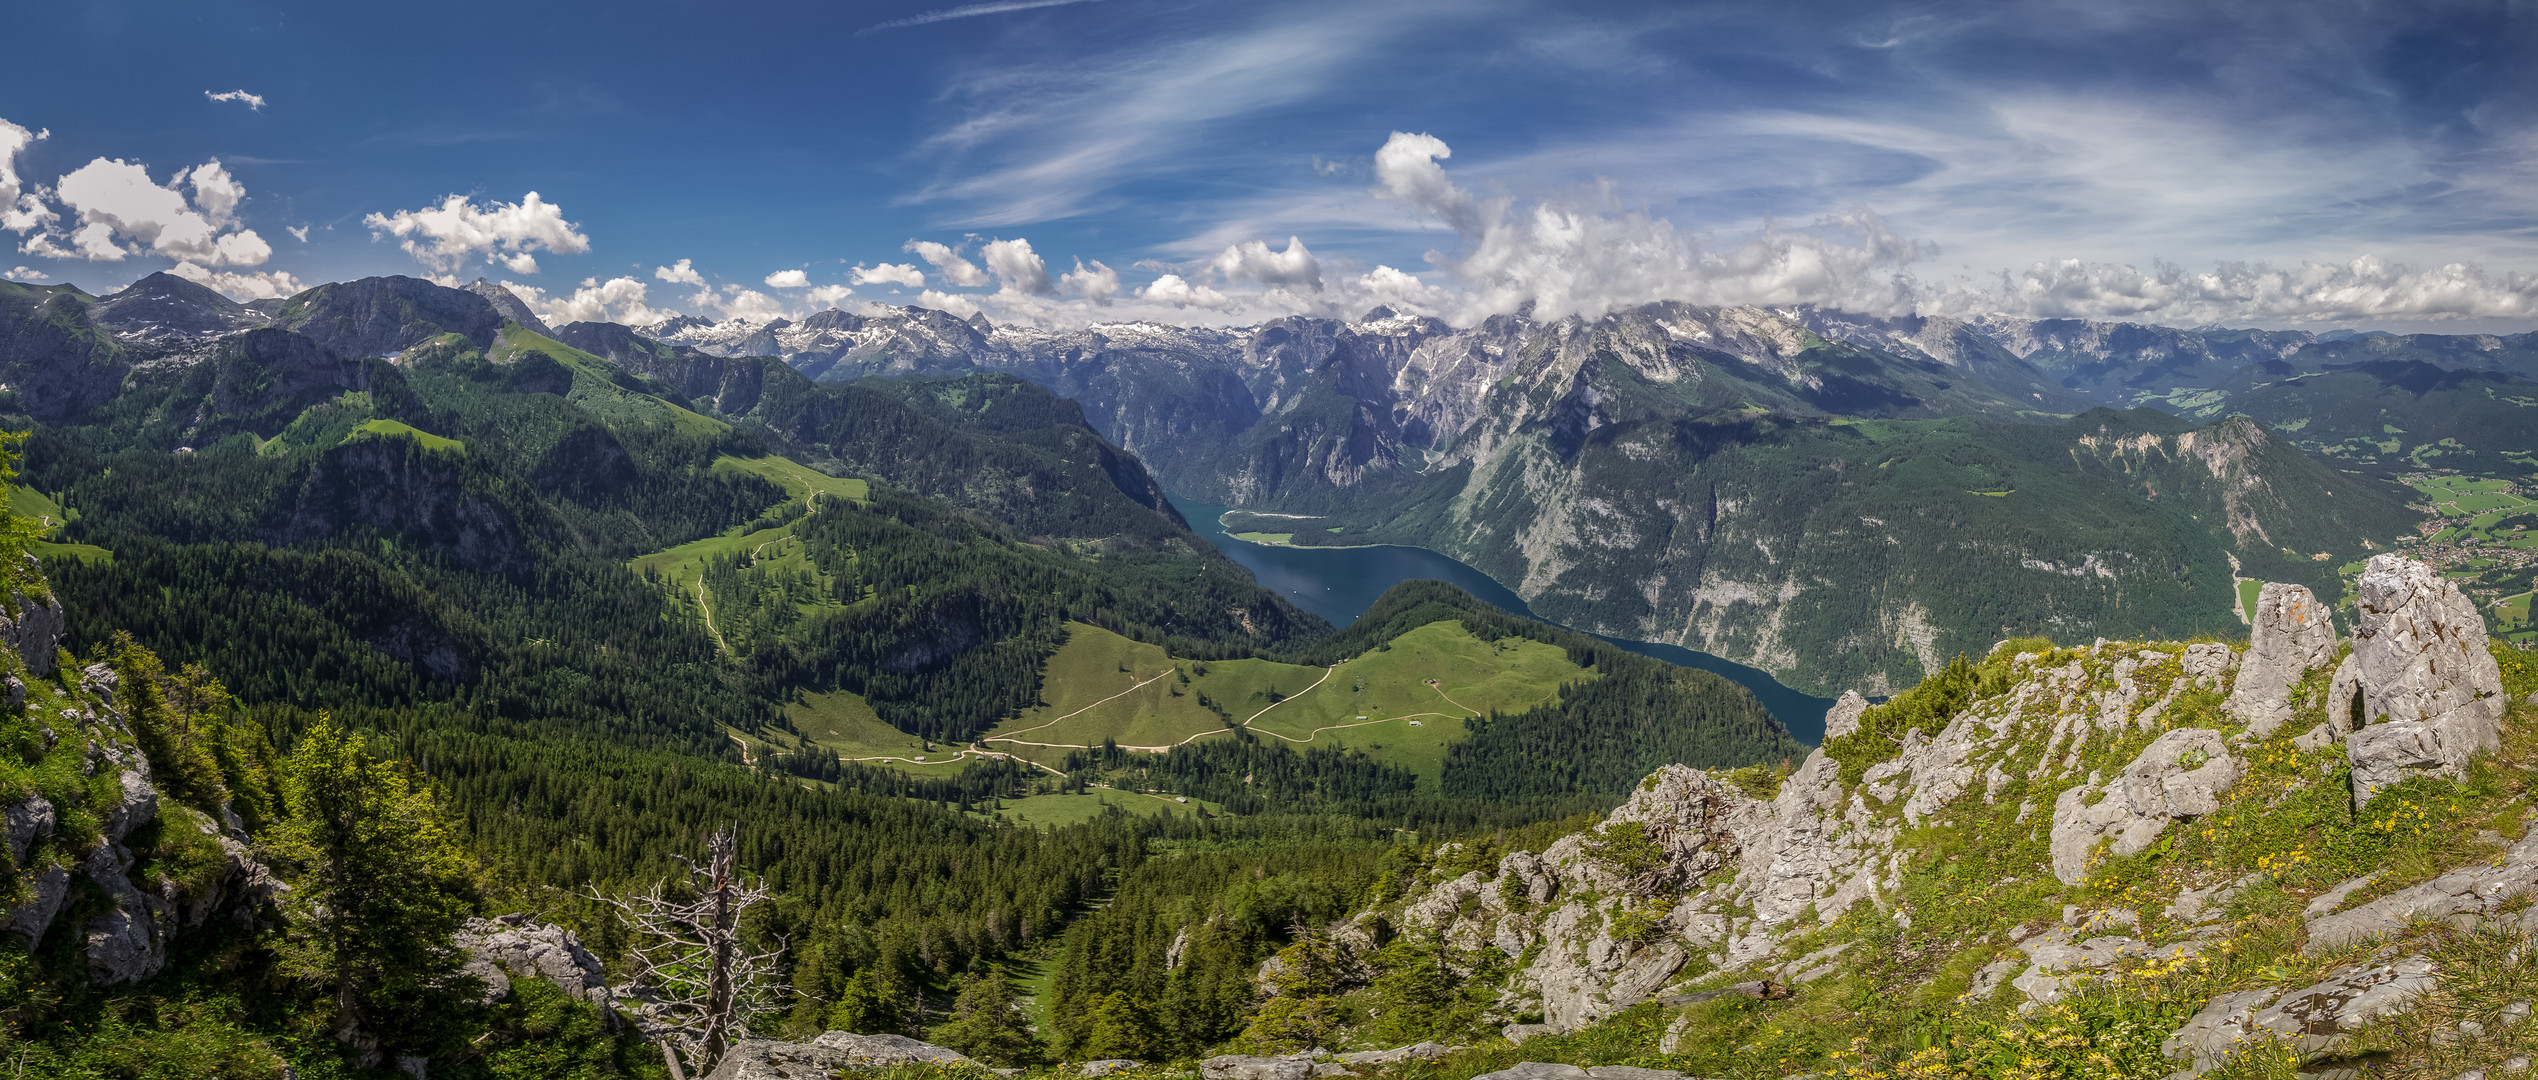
[
  {"x": 2313, "y": 1022},
  {"x": 835, "y": 1051},
  {"x": 2181, "y": 774},
  {"x": 498, "y": 949},
  {"x": 2421, "y": 694},
  {"x": 2293, "y": 635},
  {"x": 1843, "y": 718}
]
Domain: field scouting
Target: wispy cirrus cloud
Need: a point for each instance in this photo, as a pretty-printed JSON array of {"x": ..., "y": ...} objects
[{"x": 967, "y": 11}]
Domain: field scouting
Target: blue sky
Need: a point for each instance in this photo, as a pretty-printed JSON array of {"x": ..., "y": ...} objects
[{"x": 2291, "y": 164}]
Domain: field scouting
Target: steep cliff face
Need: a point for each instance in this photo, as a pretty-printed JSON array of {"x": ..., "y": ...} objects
[
  {"x": 2042, "y": 824},
  {"x": 433, "y": 498},
  {"x": 96, "y": 853}
]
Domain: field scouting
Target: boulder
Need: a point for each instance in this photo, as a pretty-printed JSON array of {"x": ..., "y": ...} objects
[
  {"x": 1843, "y": 718},
  {"x": 2419, "y": 670},
  {"x": 512, "y": 945},
  {"x": 2216, "y": 1032},
  {"x": 36, "y": 631},
  {"x": 32, "y": 916},
  {"x": 2181, "y": 774},
  {"x": 128, "y": 942},
  {"x": 1423, "y": 1051},
  {"x": 1107, "y": 1066},
  {"x": 1250, "y": 1067},
  {"x": 136, "y": 802},
  {"x": 1536, "y": 1070},
  {"x": 1518, "y": 1033},
  {"x": 2293, "y": 636},
  {"x": 877, "y": 1051},
  {"x": 2206, "y": 662},
  {"x": 2314, "y": 1020},
  {"x": 2461, "y": 896},
  {"x": 27, "y": 820},
  {"x": 767, "y": 1059}
]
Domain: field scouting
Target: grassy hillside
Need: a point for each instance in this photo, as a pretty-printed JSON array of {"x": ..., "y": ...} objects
[{"x": 1402, "y": 703}]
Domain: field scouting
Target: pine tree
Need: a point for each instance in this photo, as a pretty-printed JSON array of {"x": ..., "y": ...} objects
[
  {"x": 988, "y": 1024},
  {"x": 379, "y": 891}
]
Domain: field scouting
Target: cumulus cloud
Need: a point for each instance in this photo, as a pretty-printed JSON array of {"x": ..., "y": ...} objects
[
  {"x": 827, "y": 296},
  {"x": 682, "y": 272},
  {"x": 446, "y": 236},
  {"x": 789, "y": 279},
  {"x": 123, "y": 212},
  {"x": 23, "y": 274},
  {"x": 618, "y": 299},
  {"x": 1017, "y": 268},
  {"x": 735, "y": 302},
  {"x": 1591, "y": 256},
  {"x": 21, "y": 211},
  {"x": 252, "y": 101},
  {"x": 951, "y": 302},
  {"x": 890, "y": 274},
  {"x": 1402, "y": 291},
  {"x": 948, "y": 263},
  {"x": 1252, "y": 260},
  {"x": 2362, "y": 289},
  {"x": 1407, "y": 166},
  {"x": 1172, "y": 289},
  {"x": 1097, "y": 283},
  {"x": 241, "y": 285}
]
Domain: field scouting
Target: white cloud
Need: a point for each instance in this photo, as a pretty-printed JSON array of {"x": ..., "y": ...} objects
[
  {"x": 298, "y": 232},
  {"x": 1403, "y": 291},
  {"x": 1017, "y": 268},
  {"x": 890, "y": 274},
  {"x": 618, "y": 300},
  {"x": 1171, "y": 289},
  {"x": 123, "y": 212},
  {"x": 23, "y": 274},
  {"x": 1252, "y": 260},
  {"x": 789, "y": 279},
  {"x": 1097, "y": 283},
  {"x": 1407, "y": 165},
  {"x": 2363, "y": 289},
  {"x": 252, "y": 101},
  {"x": 827, "y": 296},
  {"x": 735, "y": 302},
  {"x": 446, "y": 236},
  {"x": 264, "y": 285},
  {"x": 967, "y": 11},
  {"x": 951, "y": 302},
  {"x": 21, "y": 209},
  {"x": 682, "y": 272},
  {"x": 947, "y": 262}
]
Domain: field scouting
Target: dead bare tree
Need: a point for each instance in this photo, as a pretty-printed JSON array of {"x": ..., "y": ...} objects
[{"x": 708, "y": 982}]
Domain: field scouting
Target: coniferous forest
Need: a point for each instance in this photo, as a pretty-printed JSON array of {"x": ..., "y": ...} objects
[{"x": 504, "y": 628}]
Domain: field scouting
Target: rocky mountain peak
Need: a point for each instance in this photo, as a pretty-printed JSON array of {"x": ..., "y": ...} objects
[{"x": 508, "y": 304}]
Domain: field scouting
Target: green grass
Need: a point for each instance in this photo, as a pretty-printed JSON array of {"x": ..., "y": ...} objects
[
  {"x": 1049, "y": 810},
  {"x": 843, "y": 722},
  {"x": 394, "y": 429},
  {"x": 36, "y": 506},
  {"x": 798, "y": 480},
  {"x": 87, "y": 553},
  {"x": 1101, "y": 686},
  {"x": 772, "y": 546},
  {"x": 597, "y": 386},
  {"x": 1272, "y": 539},
  {"x": 2247, "y": 593}
]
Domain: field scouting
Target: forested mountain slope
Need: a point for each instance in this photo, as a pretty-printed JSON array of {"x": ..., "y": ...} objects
[{"x": 1651, "y": 437}]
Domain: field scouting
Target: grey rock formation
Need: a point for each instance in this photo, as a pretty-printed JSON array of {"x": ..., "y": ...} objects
[
  {"x": 35, "y": 631},
  {"x": 1251, "y": 1067},
  {"x": 507, "y": 304},
  {"x": 1107, "y": 1066},
  {"x": 2206, "y": 662},
  {"x": 2216, "y": 1032},
  {"x": 767, "y": 1059},
  {"x": 2464, "y": 896},
  {"x": 2179, "y": 775},
  {"x": 512, "y": 945},
  {"x": 2424, "y": 694},
  {"x": 1422, "y": 1051},
  {"x": 878, "y": 1051},
  {"x": 34, "y": 915},
  {"x": 1843, "y": 718},
  {"x": 2058, "y": 960},
  {"x": 136, "y": 802},
  {"x": 2294, "y": 635},
  {"x": 2315, "y": 1019},
  {"x": 127, "y": 943},
  {"x": 27, "y": 820}
]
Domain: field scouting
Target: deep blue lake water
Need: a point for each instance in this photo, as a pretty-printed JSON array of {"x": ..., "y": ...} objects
[{"x": 1339, "y": 584}]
